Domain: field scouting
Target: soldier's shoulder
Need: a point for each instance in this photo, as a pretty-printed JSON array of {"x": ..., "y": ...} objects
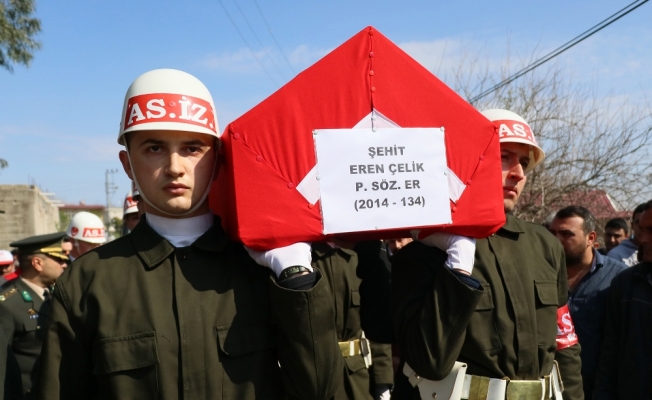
[
  {"x": 12, "y": 295},
  {"x": 8, "y": 291},
  {"x": 108, "y": 253}
]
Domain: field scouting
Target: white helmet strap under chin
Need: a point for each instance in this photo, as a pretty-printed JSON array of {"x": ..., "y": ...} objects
[{"x": 192, "y": 209}]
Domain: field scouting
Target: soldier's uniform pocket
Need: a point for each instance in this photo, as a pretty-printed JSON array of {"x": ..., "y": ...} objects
[
  {"x": 248, "y": 357},
  {"x": 126, "y": 366},
  {"x": 546, "y": 311},
  {"x": 482, "y": 327}
]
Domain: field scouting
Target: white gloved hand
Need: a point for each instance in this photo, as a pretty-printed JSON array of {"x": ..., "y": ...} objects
[
  {"x": 382, "y": 392},
  {"x": 460, "y": 249},
  {"x": 283, "y": 257}
]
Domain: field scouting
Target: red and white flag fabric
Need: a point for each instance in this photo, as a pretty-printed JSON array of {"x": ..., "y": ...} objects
[{"x": 265, "y": 190}]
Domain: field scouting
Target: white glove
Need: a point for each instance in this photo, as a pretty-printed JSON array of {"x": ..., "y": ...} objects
[
  {"x": 283, "y": 257},
  {"x": 382, "y": 392},
  {"x": 460, "y": 249}
]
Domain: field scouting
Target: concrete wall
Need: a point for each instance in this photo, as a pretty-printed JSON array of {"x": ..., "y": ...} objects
[{"x": 27, "y": 212}]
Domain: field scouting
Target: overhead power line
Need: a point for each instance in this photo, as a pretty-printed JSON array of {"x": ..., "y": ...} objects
[
  {"x": 259, "y": 42},
  {"x": 273, "y": 37},
  {"x": 247, "y": 43},
  {"x": 603, "y": 24}
]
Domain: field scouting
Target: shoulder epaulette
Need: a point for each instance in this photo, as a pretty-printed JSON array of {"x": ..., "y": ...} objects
[{"x": 4, "y": 296}]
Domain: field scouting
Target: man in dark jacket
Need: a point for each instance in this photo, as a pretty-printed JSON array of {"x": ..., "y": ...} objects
[
  {"x": 589, "y": 278},
  {"x": 176, "y": 310},
  {"x": 28, "y": 300},
  {"x": 500, "y": 314},
  {"x": 624, "y": 369}
]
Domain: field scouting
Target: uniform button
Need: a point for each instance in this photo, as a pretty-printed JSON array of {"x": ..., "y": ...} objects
[{"x": 38, "y": 327}]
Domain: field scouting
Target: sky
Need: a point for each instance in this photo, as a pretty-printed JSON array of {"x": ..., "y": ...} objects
[{"x": 59, "y": 117}]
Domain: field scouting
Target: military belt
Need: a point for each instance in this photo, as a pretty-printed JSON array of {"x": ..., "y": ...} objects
[
  {"x": 357, "y": 346},
  {"x": 350, "y": 348},
  {"x": 483, "y": 388}
]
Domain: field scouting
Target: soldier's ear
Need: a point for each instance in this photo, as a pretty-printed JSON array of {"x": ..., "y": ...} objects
[
  {"x": 126, "y": 165},
  {"x": 37, "y": 263}
]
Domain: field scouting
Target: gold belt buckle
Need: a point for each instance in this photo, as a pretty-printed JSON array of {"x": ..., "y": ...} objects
[
  {"x": 524, "y": 390},
  {"x": 350, "y": 348}
]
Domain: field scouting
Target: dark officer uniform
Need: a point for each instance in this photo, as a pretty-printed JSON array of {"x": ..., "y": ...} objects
[
  {"x": 11, "y": 387},
  {"x": 338, "y": 267},
  {"x": 506, "y": 327},
  {"x": 140, "y": 319},
  {"x": 28, "y": 310}
]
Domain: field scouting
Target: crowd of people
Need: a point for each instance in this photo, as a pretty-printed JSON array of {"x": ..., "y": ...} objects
[{"x": 174, "y": 309}]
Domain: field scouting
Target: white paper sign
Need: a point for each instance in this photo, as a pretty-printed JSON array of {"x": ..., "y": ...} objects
[{"x": 391, "y": 178}]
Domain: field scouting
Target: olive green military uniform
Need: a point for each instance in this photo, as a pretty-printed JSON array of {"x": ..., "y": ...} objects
[
  {"x": 140, "y": 319},
  {"x": 505, "y": 328},
  {"x": 11, "y": 387},
  {"x": 338, "y": 268},
  {"x": 29, "y": 313}
]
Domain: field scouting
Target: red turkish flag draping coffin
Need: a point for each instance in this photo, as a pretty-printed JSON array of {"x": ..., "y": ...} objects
[{"x": 268, "y": 151}]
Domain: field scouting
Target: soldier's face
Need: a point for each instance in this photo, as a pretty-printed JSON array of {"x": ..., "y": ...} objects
[
  {"x": 515, "y": 158},
  {"x": 173, "y": 169},
  {"x": 576, "y": 243},
  {"x": 7, "y": 268},
  {"x": 50, "y": 269},
  {"x": 645, "y": 236}
]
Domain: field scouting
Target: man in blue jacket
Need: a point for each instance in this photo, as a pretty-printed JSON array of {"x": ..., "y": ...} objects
[{"x": 589, "y": 278}]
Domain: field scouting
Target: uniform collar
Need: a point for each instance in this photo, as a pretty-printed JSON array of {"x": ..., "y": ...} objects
[
  {"x": 153, "y": 249},
  {"x": 513, "y": 224},
  {"x": 39, "y": 291},
  {"x": 321, "y": 250}
]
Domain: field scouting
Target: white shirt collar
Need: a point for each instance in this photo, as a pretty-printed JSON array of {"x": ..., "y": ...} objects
[
  {"x": 36, "y": 288},
  {"x": 181, "y": 232}
]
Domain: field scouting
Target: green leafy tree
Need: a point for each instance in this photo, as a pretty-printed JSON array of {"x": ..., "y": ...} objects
[{"x": 17, "y": 31}]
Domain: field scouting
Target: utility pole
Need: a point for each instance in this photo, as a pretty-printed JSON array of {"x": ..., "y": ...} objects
[{"x": 109, "y": 188}]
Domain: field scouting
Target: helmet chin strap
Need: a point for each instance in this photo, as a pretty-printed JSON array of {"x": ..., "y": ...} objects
[{"x": 192, "y": 209}]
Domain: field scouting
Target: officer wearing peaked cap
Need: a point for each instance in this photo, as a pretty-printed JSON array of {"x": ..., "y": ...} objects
[{"x": 27, "y": 299}]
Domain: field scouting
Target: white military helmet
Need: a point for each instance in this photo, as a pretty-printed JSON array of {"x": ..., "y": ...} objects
[
  {"x": 86, "y": 227},
  {"x": 6, "y": 257},
  {"x": 131, "y": 205},
  {"x": 168, "y": 99},
  {"x": 513, "y": 128}
]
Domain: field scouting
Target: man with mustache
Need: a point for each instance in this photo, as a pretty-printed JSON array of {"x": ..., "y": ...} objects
[
  {"x": 175, "y": 309},
  {"x": 497, "y": 305}
]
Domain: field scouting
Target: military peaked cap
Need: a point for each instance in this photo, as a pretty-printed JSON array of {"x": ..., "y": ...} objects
[{"x": 49, "y": 244}]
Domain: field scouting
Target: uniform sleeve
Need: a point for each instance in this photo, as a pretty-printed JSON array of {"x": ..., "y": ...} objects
[
  {"x": 66, "y": 370},
  {"x": 606, "y": 382},
  {"x": 570, "y": 364},
  {"x": 431, "y": 308},
  {"x": 311, "y": 361},
  {"x": 375, "y": 306},
  {"x": 381, "y": 364}
]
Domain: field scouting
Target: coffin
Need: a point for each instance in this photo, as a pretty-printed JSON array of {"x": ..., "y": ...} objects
[{"x": 263, "y": 190}]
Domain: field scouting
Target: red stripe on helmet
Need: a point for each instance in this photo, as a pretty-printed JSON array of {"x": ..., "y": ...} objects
[{"x": 168, "y": 107}]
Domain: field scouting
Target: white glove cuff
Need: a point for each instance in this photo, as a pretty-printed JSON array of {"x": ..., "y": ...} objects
[
  {"x": 283, "y": 257},
  {"x": 461, "y": 254}
]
